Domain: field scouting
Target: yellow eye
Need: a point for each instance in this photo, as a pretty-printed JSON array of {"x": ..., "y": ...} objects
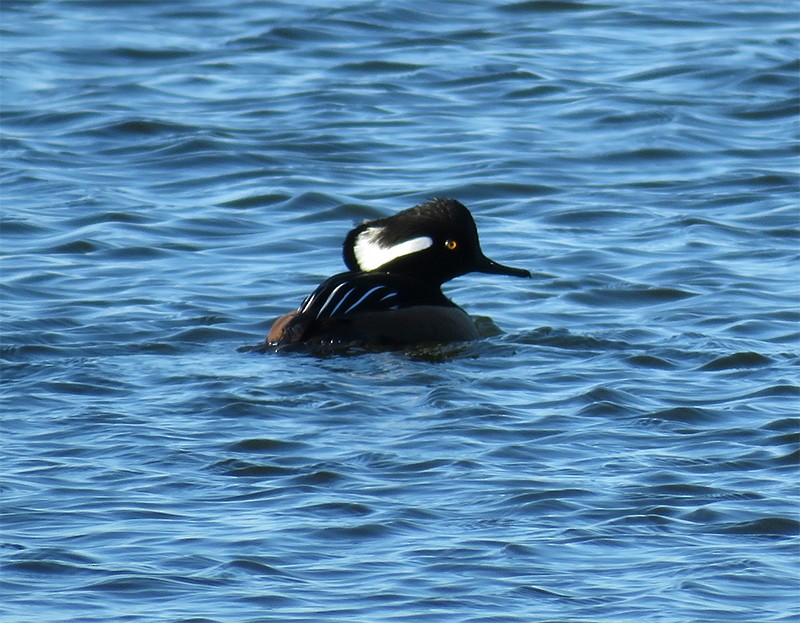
[{"x": 451, "y": 244}]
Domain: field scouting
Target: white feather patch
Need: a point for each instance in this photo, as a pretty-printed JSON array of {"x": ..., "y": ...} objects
[{"x": 371, "y": 255}]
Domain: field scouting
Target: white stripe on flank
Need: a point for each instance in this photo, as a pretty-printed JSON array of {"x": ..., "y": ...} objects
[
  {"x": 370, "y": 254},
  {"x": 342, "y": 300},
  {"x": 330, "y": 298},
  {"x": 359, "y": 301},
  {"x": 307, "y": 303}
]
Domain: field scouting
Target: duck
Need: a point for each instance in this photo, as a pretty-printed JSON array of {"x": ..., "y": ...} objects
[{"x": 391, "y": 295}]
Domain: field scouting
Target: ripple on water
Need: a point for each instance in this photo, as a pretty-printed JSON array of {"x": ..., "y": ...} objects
[{"x": 737, "y": 361}]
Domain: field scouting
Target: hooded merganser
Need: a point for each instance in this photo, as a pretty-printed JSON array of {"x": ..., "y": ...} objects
[{"x": 392, "y": 294}]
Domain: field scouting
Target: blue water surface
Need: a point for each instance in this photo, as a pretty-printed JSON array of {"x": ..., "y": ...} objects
[{"x": 177, "y": 174}]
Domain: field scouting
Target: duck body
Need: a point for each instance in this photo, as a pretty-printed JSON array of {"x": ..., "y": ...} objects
[
  {"x": 374, "y": 308},
  {"x": 391, "y": 296}
]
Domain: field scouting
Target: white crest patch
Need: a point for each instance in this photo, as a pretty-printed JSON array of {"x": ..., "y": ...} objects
[{"x": 370, "y": 254}]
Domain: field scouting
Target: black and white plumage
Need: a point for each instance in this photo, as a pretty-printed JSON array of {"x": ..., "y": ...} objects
[
  {"x": 358, "y": 293},
  {"x": 392, "y": 294}
]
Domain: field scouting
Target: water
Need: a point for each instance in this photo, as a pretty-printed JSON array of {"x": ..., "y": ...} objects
[{"x": 176, "y": 175}]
